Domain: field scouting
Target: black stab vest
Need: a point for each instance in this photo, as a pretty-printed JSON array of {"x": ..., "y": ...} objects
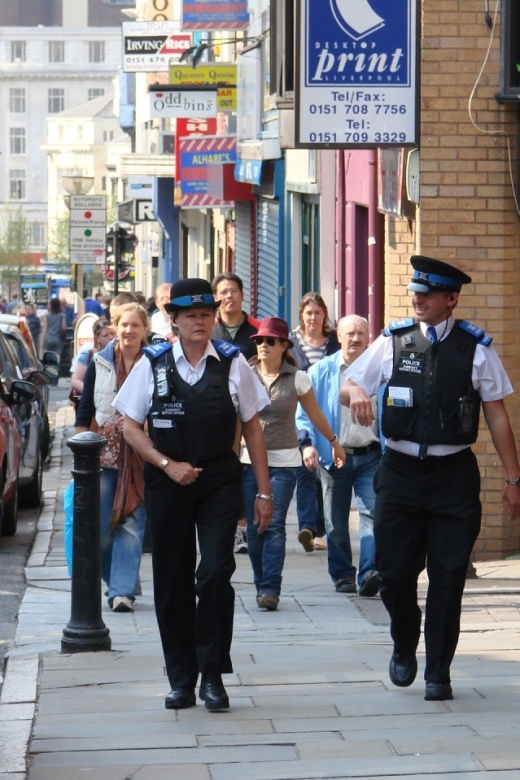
[
  {"x": 446, "y": 406},
  {"x": 194, "y": 423}
]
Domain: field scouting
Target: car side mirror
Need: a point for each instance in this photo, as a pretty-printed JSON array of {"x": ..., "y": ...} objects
[
  {"x": 52, "y": 373},
  {"x": 39, "y": 378},
  {"x": 21, "y": 392},
  {"x": 51, "y": 358}
]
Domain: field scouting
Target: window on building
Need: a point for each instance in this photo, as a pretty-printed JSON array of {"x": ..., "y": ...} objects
[
  {"x": 79, "y": 132},
  {"x": 37, "y": 234},
  {"x": 17, "y": 184},
  {"x": 17, "y": 140},
  {"x": 108, "y": 135},
  {"x": 17, "y": 100},
  {"x": 95, "y": 93},
  {"x": 96, "y": 51},
  {"x": 56, "y": 102},
  {"x": 282, "y": 48},
  {"x": 61, "y": 132},
  {"x": 56, "y": 51},
  {"x": 18, "y": 51}
]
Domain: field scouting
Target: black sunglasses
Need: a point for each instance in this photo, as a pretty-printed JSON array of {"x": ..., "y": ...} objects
[
  {"x": 268, "y": 340},
  {"x": 100, "y": 325}
]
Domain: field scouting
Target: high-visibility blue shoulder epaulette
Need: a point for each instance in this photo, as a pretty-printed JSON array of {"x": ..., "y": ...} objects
[
  {"x": 479, "y": 333},
  {"x": 395, "y": 325},
  {"x": 226, "y": 348},
  {"x": 153, "y": 351}
]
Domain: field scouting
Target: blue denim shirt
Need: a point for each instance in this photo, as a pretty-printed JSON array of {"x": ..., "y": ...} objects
[{"x": 325, "y": 377}]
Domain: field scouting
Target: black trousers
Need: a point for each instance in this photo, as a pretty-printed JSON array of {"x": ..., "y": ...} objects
[
  {"x": 194, "y": 607},
  {"x": 427, "y": 513}
]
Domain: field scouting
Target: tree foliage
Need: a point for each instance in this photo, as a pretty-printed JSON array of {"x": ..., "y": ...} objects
[{"x": 15, "y": 243}]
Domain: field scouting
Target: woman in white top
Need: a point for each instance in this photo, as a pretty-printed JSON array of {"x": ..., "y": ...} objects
[{"x": 285, "y": 385}]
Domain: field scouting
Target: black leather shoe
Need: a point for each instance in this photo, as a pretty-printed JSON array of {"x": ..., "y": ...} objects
[
  {"x": 402, "y": 669},
  {"x": 438, "y": 691},
  {"x": 213, "y": 693},
  {"x": 180, "y": 699}
]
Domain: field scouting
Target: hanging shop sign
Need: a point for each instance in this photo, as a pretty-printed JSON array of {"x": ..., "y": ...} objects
[
  {"x": 189, "y": 128},
  {"x": 152, "y": 46},
  {"x": 357, "y": 77},
  {"x": 215, "y": 15},
  {"x": 196, "y": 154},
  {"x": 224, "y": 75},
  {"x": 178, "y": 103}
]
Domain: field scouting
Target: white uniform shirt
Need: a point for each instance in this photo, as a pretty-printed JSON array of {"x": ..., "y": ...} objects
[
  {"x": 247, "y": 393},
  {"x": 160, "y": 323},
  {"x": 375, "y": 367}
]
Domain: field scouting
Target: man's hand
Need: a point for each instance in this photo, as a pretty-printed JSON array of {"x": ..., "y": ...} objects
[
  {"x": 360, "y": 406},
  {"x": 511, "y": 501},
  {"x": 310, "y": 458}
]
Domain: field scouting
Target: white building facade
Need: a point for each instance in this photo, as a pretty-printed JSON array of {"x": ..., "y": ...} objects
[{"x": 45, "y": 71}]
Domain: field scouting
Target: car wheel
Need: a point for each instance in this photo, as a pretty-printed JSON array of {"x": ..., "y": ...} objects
[
  {"x": 10, "y": 516},
  {"x": 32, "y": 493},
  {"x": 46, "y": 438}
]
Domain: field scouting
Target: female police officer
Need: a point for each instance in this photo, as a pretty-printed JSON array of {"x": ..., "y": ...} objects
[{"x": 190, "y": 394}]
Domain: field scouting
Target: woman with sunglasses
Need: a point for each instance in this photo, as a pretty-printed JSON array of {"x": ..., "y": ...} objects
[
  {"x": 103, "y": 333},
  {"x": 286, "y": 385},
  {"x": 123, "y": 516}
]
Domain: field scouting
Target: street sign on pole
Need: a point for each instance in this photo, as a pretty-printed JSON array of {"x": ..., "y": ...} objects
[{"x": 87, "y": 232}]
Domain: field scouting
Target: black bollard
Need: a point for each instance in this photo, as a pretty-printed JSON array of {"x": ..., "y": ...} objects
[{"x": 86, "y": 631}]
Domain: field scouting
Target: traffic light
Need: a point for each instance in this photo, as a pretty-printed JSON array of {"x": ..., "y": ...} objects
[
  {"x": 127, "y": 244},
  {"x": 122, "y": 240}
]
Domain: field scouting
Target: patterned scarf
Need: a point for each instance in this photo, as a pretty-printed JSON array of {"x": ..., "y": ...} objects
[{"x": 130, "y": 481}]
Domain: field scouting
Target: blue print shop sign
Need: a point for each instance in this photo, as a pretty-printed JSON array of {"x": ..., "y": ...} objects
[{"x": 356, "y": 83}]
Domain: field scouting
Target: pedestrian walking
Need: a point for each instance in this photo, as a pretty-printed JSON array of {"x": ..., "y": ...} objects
[
  {"x": 363, "y": 450},
  {"x": 286, "y": 385},
  {"x": 53, "y": 328},
  {"x": 438, "y": 372},
  {"x": 123, "y": 517},
  {"x": 233, "y": 324},
  {"x": 313, "y": 339},
  {"x": 190, "y": 393}
]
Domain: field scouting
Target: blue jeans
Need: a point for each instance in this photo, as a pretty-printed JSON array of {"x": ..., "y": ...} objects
[
  {"x": 267, "y": 550},
  {"x": 357, "y": 474},
  {"x": 309, "y": 501},
  {"x": 121, "y": 550}
]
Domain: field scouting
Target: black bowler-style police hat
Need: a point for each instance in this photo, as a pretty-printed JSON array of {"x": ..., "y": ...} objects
[
  {"x": 190, "y": 294},
  {"x": 435, "y": 276}
]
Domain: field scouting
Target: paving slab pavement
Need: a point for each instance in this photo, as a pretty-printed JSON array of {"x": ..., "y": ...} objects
[{"x": 310, "y": 695}]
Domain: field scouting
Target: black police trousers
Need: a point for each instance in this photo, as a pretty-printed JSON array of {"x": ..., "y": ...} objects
[
  {"x": 427, "y": 513},
  {"x": 194, "y": 604}
]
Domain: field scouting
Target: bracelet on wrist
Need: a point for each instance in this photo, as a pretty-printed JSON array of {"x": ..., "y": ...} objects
[
  {"x": 334, "y": 438},
  {"x": 515, "y": 482},
  {"x": 265, "y": 496}
]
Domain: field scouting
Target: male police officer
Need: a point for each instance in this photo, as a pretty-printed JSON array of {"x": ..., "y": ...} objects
[
  {"x": 190, "y": 394},
  {"x": 438, "y": 372}
]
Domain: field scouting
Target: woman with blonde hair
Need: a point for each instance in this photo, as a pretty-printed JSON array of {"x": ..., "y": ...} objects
[{"x": 123, "y": 516}]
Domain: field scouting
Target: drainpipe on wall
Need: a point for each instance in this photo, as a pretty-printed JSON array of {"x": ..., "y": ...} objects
[
  {"x": 340, "y": 258},
  {"x": 375, "y": 253}
]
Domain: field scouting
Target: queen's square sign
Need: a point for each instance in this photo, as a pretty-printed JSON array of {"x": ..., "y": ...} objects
[{"x": 357, "y": 77}]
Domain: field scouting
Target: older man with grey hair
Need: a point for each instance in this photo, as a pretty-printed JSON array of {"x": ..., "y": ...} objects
[{"x": 363, "y": 455}]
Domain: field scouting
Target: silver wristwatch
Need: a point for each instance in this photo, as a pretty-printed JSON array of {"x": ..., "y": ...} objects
[{"x": 164, "y": 462}]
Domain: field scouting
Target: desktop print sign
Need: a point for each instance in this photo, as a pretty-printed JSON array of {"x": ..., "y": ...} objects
[{"x": 356, "y": 83}]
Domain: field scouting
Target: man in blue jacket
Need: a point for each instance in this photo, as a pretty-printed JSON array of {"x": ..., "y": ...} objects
[{"x": 363, "y": 455}]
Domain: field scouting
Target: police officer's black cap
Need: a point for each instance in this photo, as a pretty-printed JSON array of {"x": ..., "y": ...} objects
[
  {"x": 432, "y": 275},
  {"x": 190, "y": 294}
]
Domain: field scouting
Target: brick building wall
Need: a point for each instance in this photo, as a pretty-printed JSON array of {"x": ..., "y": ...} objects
[{"x": 467, "y": 213}]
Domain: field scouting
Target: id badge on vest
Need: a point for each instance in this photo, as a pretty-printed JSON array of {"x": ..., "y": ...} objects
[
  {"x": 411, "y": 362},
  {"x": 171, "y": 411}
]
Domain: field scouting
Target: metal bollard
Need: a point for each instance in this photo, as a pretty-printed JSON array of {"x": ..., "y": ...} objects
[{"x": 86, "y": 631}]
